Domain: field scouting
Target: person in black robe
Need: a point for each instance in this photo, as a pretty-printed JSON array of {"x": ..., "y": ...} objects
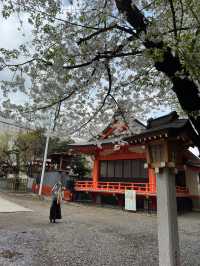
[{"x": 55, "y": 209}]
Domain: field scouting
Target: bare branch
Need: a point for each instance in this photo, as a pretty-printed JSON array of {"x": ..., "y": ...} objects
[
  {"x": 51, "y": 104},
  {"x": 57, "y": 112},
  {"x": 53, "y": 17},
  {"x": 59, "y": 101},
  {"x": 104, "y": 55},
  {"x": 105, "y": 3},
  {"x": 111, "y": 27},
  {"x": 21, "y": 64},
  {"x": 148, "y": 5},
  {"x": 96, "y": 58},
  {"x": 182, "y": 13},
  {"x": 173, "y": 18},
  {"x": 96, "y": 33}
]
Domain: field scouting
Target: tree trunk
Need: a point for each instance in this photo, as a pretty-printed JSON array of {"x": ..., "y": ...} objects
[{"x": 184, "y": 86}]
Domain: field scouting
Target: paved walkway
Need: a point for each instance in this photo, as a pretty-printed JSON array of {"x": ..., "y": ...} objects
[
  {"x": 8, "y": 206},
  {"x": 88, "y": 235}
]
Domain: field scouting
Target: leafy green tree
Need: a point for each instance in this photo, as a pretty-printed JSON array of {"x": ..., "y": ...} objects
[
  {"x": 17, "y": 150},
  {"x": 58, "y": 145},
  {"x": 29, "y": 146},
  {"x": 80, "y": 167},
  {"x": 6, "y": 161}
]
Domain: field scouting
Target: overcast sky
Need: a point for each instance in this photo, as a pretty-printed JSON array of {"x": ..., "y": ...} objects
[{"x": 11, "y": 38}]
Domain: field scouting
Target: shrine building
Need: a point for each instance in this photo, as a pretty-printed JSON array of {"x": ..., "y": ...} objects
[{"x": 122, "y": 154}]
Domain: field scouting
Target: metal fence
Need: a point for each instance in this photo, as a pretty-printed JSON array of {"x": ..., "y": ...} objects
[
  {"x": 3, "y": 184},
  {"x": 14, "y": 184}
]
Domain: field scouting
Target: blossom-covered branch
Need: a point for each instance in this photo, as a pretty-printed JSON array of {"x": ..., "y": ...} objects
[
  {"x": 184, "y": 85},
  {"x": 59, "y": 101},
  {"x": 98, "y": 32},
  {"x": 103, "y": 102}
]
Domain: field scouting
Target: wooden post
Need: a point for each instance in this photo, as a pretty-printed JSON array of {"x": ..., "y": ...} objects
[
  {"x": 152, "y": 179},
  {"x": 95, "y": 173},
  {"x": 61, "y": 161},
  {"x": 168, "y": 240}
]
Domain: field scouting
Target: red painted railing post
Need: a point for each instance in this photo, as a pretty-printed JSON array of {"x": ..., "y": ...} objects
[{"x": 118, "y": 187}]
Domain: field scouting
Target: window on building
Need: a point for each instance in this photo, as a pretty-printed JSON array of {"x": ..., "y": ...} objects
[
  {"x": 125, "y": 169},
  {"x": 103, "y": 168},
  {"x": 118, "y": 168},
  {"x": 111, "y": 169},
  {"x": 128, "y": 168}
]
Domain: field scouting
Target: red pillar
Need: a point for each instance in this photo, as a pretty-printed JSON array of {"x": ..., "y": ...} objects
[
  {"x": 152, "y": 180},
  {"x": 95, "y": 172}
]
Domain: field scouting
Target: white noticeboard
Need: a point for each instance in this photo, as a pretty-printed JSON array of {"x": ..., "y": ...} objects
[
  {"x": 30, "y": 183},
  {"x": 130, "y": 200}
]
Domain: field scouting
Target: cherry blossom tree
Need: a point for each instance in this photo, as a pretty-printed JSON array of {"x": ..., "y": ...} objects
[{"x": 89, "y": 58}]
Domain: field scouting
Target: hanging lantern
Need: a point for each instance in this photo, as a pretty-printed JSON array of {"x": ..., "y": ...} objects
[{"x": 162, "y": 153}]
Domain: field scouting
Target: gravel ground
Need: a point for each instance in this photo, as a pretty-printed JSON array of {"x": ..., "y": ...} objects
[{"x": 88, "y": 235}]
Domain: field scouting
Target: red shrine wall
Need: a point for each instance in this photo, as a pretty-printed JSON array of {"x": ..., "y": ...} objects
[{"x": 126, "y": 153}]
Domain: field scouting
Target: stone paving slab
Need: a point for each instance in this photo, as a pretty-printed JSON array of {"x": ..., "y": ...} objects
[{"x": 8, "y": 206}]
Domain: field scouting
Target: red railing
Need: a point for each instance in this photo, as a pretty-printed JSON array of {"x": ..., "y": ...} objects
[
  {"x": 113, "y": 187},
  {"x": 119, "y": 187}
]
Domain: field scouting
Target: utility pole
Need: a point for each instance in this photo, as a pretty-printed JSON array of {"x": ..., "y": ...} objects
[
  {"x": 51, "y": 128},
  {"x": 44, "y": 162}
]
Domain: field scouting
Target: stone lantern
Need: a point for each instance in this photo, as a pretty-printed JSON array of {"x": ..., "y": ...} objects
[{"x": 164, "y": 155}]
